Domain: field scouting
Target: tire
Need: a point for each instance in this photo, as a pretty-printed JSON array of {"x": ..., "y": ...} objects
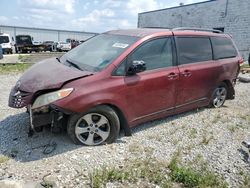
[
  {"x": 98, "y": 126},
  {"x": 219, "y": 96}
]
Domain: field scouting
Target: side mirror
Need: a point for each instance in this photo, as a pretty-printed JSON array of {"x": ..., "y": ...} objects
[{"x": 136, "y": 67}]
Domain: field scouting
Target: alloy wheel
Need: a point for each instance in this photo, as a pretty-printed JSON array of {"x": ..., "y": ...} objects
[
  {"x": 92, "y": 129},
  {"x": 219, "y": 97}
]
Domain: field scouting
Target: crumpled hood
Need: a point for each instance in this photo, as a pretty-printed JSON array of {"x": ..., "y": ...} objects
[{"x": 48, "y": 74}]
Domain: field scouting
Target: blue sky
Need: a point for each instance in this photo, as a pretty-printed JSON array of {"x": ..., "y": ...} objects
[{"x": 81, "y": 15}]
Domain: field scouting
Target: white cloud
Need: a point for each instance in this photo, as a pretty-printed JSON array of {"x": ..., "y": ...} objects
[
  {"x": 136, "y": 6},
  {"x": 88, "y": 15},
  {"x": 93, "y": 19},
  {"x": 66, "y": 6},
  {"x": 96, "y": 15},
  {"x": 4, "y": 20}
]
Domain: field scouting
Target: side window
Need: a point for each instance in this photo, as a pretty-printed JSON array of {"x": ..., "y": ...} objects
[
  {"x": 120, "y": 71},
  {"x": 194, "y": 49},
  {"x": 223, "y": 48},
  {"x": 156, "y": 53}
]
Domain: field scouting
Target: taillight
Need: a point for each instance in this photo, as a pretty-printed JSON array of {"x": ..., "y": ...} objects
[{"x": 241, "y": 61}]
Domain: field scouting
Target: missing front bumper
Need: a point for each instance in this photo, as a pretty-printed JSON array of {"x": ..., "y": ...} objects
[{"x": 54, "y": 117}]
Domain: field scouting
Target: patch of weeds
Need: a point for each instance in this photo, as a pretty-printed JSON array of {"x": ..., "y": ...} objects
[
  {"x": 193, "y": 133},
  {"x": 3, "y": 159},
  {"x": 149, "y": 170},
  {"x": 137, "y": 148},
  {"x": 232, "y": 128},
  {"x": 192, "y": 178},
  {"x": 189, "y": 147},
  {"x": 206, "y": 139},
  {"x": 23, "y": 58},
  {"x": 157, "y": 173},
  {"x": 155, "y": 137},
  {"x": 244, "y": 66},
  {"x": 173, "y": 131},
  {"x": 198, "y": 159},
  {"x": 14, "y": 68},
  {"x": 217, "y": 118},
  {"x": 246, "y": 117},
  {"x": 246, "y": 180},
  {"x": 176, "y": 141}
]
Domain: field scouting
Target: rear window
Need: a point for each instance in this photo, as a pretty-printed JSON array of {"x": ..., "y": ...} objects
[
  {"x": 194, "y": 49},
  {"x": 223, "y": 48}
]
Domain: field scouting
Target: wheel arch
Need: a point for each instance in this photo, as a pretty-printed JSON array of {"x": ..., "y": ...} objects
[
  {"x": 230, "y": 89},
  {"x": 123, "y": 121}
]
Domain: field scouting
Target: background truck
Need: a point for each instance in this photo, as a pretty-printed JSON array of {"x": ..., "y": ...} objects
[
  {"x": 6, "y": 43},
  {"x": 24, "y": 44}
]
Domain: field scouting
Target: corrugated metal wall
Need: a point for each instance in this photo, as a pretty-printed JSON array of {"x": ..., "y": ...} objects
[{"x": 39, "y": 34}]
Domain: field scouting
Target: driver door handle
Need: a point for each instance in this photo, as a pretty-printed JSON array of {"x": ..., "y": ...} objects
[{"x": 186, "y": 73}]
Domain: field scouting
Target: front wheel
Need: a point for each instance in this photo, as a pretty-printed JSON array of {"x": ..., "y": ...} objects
[
  {"x": 98, "y": 126},
  {"x": 219, "y": 96}
]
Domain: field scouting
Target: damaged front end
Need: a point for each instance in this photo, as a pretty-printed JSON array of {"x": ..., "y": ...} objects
[
  {"x": 50, "y": 115},
  {"x": 41, "y": 110}
]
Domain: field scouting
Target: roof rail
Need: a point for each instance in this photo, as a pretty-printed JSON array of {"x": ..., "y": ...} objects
[
  {"x": 156, "y": 27},
  {"x": 197, "y": 29}
]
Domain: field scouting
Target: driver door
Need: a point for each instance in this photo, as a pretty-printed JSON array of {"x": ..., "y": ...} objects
[{"x": 151, "y": 94}]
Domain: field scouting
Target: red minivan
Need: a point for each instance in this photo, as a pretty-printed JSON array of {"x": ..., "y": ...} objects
[{"x": 122, "y": 78}]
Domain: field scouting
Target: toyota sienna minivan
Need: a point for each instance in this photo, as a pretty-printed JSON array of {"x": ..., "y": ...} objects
[{"x": 122, "y": 78}]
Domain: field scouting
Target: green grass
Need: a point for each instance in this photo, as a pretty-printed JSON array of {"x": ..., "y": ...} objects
[
  {"x": 244, "y": 66},
  {"x": 14, "y": 68},
  {"x": 150, "y": 170},
  {"x": 194, "y": 178},
  {"x": 193, "y": 133},
  {"x": 157, "y": 173},
  {"x": 3, "y": 159},
  {"x": 24, "y": 58},
  {"x": 246, "y": 180}
]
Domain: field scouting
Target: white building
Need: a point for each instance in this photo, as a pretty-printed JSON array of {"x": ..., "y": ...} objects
[
  {"x": 231, "y": 16},
  {"x": 40, "y": 34}
]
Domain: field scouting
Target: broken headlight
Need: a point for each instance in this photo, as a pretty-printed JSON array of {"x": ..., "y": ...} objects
[{"x": 48, "y": 98}]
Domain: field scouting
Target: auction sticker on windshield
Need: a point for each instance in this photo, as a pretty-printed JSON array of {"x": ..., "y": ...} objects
[{"x": 120, "y": 45}]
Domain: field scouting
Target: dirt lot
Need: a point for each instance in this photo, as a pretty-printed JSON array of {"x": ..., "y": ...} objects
[{"x": 202, "y": 140}]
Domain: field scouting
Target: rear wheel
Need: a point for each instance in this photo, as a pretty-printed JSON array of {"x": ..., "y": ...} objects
[
  {"x": 219, "y": 96},
  {"x": 98, "y": 126}
]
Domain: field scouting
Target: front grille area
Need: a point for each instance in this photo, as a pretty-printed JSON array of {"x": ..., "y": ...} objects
[{"x": 19, "y": 99}]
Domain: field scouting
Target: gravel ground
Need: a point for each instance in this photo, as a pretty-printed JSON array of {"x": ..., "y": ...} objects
[{"x": 213, "y": 134}]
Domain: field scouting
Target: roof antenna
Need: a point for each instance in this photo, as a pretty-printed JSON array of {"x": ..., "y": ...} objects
[{"x": 181, "y": 4}]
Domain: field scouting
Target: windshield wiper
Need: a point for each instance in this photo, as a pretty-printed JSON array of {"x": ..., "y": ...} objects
[
  {"x": 73, "y": 64},
  {"x": 58, "y": 59}
]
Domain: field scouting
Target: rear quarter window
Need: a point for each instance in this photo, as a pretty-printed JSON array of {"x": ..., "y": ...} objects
[
  {"x": 194, "y": 49},
  {"x": 223, "y": 48}
]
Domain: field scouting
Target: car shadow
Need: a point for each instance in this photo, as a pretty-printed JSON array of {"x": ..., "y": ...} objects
[{"x": 16, "y": 143}]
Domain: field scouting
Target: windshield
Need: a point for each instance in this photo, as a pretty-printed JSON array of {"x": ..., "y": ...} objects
[
  {"x": 4, "y": 39},
  {"x": 98, "y": 52}
]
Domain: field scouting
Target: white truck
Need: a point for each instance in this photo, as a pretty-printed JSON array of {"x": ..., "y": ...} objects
[{"x": 6, "y": 43}]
